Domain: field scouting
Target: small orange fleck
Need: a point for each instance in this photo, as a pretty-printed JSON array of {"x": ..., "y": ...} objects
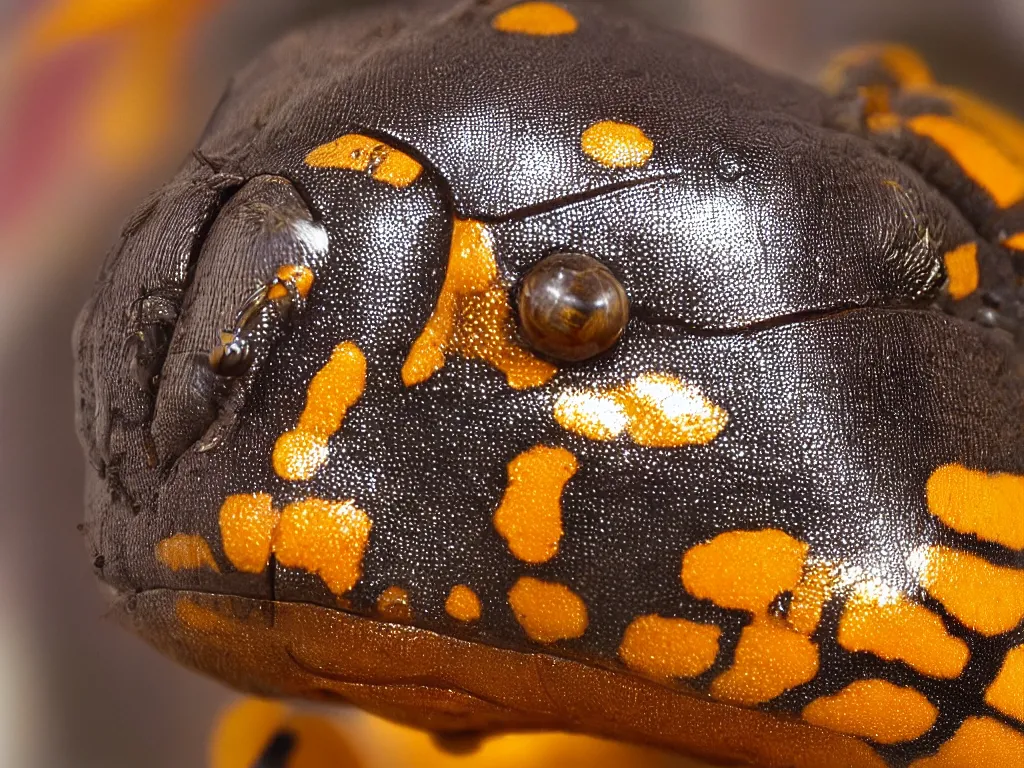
[
  {"x": 299, "y": 276},
  {"x": 663, "y": 648},
  {"x": 981, "y": 742},
  {"x": 393, "y": 605},
  {"x": 547, "y": 611},
  {"x": 876, "y": 710},
  {"x": 463, "y": 604},
  {"x": 987, "y": 598},
  {"x": 770, "y": 659},
  {"x": 538, "y": 19},
  {"x": 962, "y": 268},
  {"x": 327, "y": 538},
  {"x": 183, "y": 551},
  {"x": 355, "y": 152},
  {"x": 882, "y": 122},
  {"x": 991, "y": 506},
  {"x": 617, "y": 145},
  {"x": 247, "y": 523},
  {"x": 1015, "y": 242},
  {"x": 1007, "y": 692}
]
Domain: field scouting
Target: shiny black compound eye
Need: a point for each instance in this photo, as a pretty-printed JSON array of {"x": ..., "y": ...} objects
[{"x": 571, "y": 307}]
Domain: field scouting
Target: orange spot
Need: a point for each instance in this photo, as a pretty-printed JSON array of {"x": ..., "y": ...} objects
[
  {"x": 979, "y": 158},
  {"x": 617, "y": 145},
  {"x": 962, "y": 268},
  {"x": 657, "y": 410},
  {"x": 903, "y": 64},
  {"x": 185, "y": 552},
  {"x": 810, "y": 595},
  {"x": 539, "y": 19},
  {"x": 991, "y": 506},
  {"x": 744, "y": 570},
  {"x": 770, "y": 659},
  {"x": 547, "y": 611},
  {"x": 876, "y": 710},
  {"x": 882, "y": 122},
  {"x": 895, "y": 628},
  {"x": 247, "y": 523},
  {"x": 299, "y": 276},
  {"x": 663, "y": 648},
  {"x": 473, "y": 317},
  {"x": 987, "y": 598},
  {"x": 529, "y": 517},
  {"x": 393, "y": 604},
  {"x": 1016, "y": 242},
  {"x": 980, "y": 743},
  {"x": 1007, "y": 692},
  {"x": 300, "y": 453},
  {"x": 463, "y": 604},
  {"x": 327, "y": 538},
  {"x": 355, "y": 152}
]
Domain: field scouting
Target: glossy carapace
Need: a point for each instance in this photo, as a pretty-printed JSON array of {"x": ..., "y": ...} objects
[{"x": 773, "y": 515}]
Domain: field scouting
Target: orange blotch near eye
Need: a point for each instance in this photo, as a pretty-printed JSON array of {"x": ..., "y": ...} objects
[
  {"x": 962, "y": 268},
  {"x": 980, "y": 743},
  {"x": 538, "y": 19},
  {"x": 300, "y": 453},
  {"x": 876, "y": 710},
  {"x": 463, "y": 604},
  {"x": 1015, "y": 242},
  {"x": 355, "y": 152},
  {"x": 663, "y": 648},
  {"x": 327, "y": 538},
  {"x": 979, "y": 158},
  {"x": 893, "y": 628},
  {"x": 987, "y": 598},
  {"x": 547, "y": 611},
  {"x": 657, "y": 410},
  {"x": 529, "y": 517},
  {"x": 183, "y": 551},
  {"x": 473, "y": 317},
  {"x": 1007, "y": 691},
  {"x": 299, "y": 276},
  {"x": 991, "y": 506},
  {"x": 393, "y": 604},
  {"x": 617, "y": 145},
  {"x": 770, "y": 659},
  {"x": 247, "y": 523}
]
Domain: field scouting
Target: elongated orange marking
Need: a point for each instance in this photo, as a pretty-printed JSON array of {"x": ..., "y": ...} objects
[
  {"x": 327, "y": 538},
  {"x": 816, "y": 586},
  {"x": 355, "y": 152},
  {"x": 463, "y": 604},
  {"x": 299, "y": 276},
  {"x": 962, "y": 268},
  {"x": 299, "y": 454},
  {"x": 393, "y": 605},
  {"x": 1007, "y": 691},
  {"x": 987, "y": 598},
  {"x": 617, "y": 145},
  {"x": 980, "y": 743},
  {"x": 876, "y": 710},
  {"x": 991, "y": 506},
  {"x": 184, "y": 551},
  {"x": 657, "y": 410},
  {"x": 247, "y": 523},
  {"x": 979, "y": 158},
  {"x": 538, "y": 19},
  {"x": 770, "y": 659},
  {"x": 903, "y": 64},
  {"x": 663, "y": 648},
  {"x": 896, "y": 628},
  {"x": 547, "y": 611},
  {"x": 529, "y": 517},
  {"x": 1016, "y": 242},
  {"x": 473, "y": 317}
]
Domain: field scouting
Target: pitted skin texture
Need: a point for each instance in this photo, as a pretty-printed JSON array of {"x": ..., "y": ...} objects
[{"x": 792, "y": 491}]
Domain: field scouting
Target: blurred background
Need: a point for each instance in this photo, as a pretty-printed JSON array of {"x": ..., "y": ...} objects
[{"x": 99, "y": 101}]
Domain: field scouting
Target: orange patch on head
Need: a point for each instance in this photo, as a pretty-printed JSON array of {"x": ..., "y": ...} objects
[
  {"x": 617, "y": 145},
  {"x": 979, "y": 158},
  {"x": 529, "y": 517},
  {"x": 991, "y": 506},
  {"x": 547, "y": 611},
  {"x": 299, "y": 276},
  {"x": 770, "y": 659},
  {"x": 538, "y": 19},
  {"x": 299, "y": 453},
  {"x": 183, "y": 551},
  {"x": 897, "y": 629},
  {"x": 962, "y": 268},
  {"x": 355, "y": 152},
  {"x": 657, "y": 410},
  {"x": 663, "y": 648},
  {"x": 247, "y": 523},
  {"x": 463, "y": 604},
  {"x": 1015, "y": 242},
  {"x": 876, "y": 710},
  {"x": 473, "y": 317},
  {"x": 987, "y": 598},
  {"x": 1007, "y": 691},
  {"x": 393, "y": 604},
  {"x": 327, "y": 538},
  {"x": 980, "y": 743}
]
